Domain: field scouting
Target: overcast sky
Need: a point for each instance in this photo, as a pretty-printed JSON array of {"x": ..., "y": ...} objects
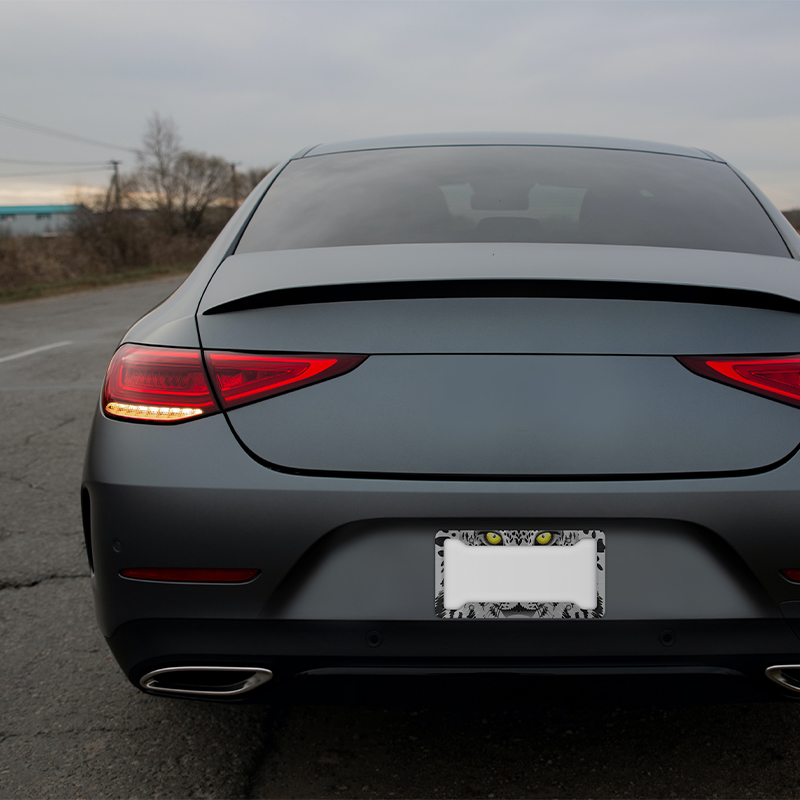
[{"x": 254, "y": 81}]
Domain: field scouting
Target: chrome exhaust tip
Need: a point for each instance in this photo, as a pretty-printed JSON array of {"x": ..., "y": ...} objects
[
  {"x": 211, "y": 682},
  {"x": 787, "y": 675}
]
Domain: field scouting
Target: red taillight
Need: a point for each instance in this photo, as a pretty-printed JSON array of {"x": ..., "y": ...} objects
[
  {"x": 242, "y": 378},
  {"x": 157, "y": 384},
  {"x": 777, "y": 378},
  {"x": 792, "y": 575},
  {"x": 160, "y": 384},
  {"x": 190, "y": 575}
]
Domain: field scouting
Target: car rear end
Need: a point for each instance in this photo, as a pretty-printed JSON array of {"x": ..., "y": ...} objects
[{"x": 372, "y": 386}]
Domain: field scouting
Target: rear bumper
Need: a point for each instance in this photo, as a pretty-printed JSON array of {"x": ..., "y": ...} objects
[
  {"x": 342, "y": 557},
  {"x": 295, "y": 650}
]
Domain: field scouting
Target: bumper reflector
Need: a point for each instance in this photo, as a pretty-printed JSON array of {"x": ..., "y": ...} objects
[{"x": 190, "y": 575}]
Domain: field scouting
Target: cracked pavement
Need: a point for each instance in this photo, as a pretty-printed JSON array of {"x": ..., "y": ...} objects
[
  {"x": 70, "y": 723},
  {"x": 72, "y": 726}
]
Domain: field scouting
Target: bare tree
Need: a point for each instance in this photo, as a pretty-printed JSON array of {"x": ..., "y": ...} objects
[
  {"x": 201, "y": 181},
  {"x": 252, "y": 177},
  {"x": 242, "y": 183},
  {"x": 157, "y": 174},
  {"x": 183, "y": 185}
]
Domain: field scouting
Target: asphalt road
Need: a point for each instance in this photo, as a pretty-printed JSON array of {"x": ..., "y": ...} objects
[{"x": 72, "y": 726}]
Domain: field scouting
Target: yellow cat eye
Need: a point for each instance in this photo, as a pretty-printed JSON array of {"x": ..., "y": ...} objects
[
  {"x": 494, "y": 538},
  {"x": 545, "y": 537}
]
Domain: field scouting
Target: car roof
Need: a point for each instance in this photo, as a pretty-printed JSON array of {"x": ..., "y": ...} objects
[{"x": 541, "y": 139}]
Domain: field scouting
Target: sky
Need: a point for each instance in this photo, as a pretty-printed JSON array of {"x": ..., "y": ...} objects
[{"x": 256, "y": 81}]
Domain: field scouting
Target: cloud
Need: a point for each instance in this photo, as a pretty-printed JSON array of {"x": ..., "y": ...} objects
[{"x": 255, "y": 81}]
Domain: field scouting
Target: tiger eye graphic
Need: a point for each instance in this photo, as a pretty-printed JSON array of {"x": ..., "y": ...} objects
[
  {"x": 545, "y": 537},
  {"x": 494, "y": 538}
]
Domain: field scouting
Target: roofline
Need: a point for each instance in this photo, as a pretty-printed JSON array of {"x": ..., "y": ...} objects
[{"x": 508, "y": 139}]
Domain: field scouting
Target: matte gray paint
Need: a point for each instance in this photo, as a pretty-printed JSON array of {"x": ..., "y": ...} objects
[
  {"x": 172, "y": 323},
  {"x": 252, "y": 273},
  {"x": 657, "y": 570},
  {"x": 544, "y": 139},
  {"x": 519, "y": 415},
  {"x": 188, "y": 495},
  {"x": 506, "y": 325}
]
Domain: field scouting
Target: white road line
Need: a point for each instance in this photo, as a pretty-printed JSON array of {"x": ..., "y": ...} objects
[{"x": 34, "y": 350}]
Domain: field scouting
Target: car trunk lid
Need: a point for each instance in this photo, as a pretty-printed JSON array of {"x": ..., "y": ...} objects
[{"x": 510, "y": 387}]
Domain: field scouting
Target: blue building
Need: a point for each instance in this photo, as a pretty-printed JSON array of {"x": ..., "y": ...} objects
[{"x": 36, "y": 220}]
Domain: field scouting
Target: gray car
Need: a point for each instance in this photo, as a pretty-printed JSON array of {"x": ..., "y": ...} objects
[{"x": 461, "y": 403}]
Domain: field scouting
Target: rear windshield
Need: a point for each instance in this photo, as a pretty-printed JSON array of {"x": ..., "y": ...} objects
[{"x": 510, "y": 194}]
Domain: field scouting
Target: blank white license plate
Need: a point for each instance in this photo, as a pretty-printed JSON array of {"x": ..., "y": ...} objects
[{"x": 520, "y": 573}]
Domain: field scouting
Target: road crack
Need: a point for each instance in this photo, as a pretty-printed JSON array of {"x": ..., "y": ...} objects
[
  {"x": 22, "y": 482},
  {"x": 31, "y": 436},
  {"x": 31, "y": 584}
]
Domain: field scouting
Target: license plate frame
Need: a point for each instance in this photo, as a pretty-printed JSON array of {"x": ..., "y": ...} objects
[{"x": 541, "y": 539}]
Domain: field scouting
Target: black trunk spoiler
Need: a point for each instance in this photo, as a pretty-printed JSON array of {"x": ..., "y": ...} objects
[{"x": 299, "y": 277}]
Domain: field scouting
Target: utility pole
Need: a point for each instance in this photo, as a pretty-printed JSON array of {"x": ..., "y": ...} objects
[
  {"x": 113, "y": 187},
  {"x": 115, "y": 165},
  {"x": 234, "y": 186}
]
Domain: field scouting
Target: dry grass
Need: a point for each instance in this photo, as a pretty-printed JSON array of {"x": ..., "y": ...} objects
[
  {"x": 34, "y": 290},
  {"x": 100, "y": 252},
  {"x": 104, "y": 250}
]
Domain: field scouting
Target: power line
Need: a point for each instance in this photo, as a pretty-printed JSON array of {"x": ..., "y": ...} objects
[
  {"x": 52, "y": 163},
  {"x": 53, "y": 172},
  {"x": 45, "y": 131}
]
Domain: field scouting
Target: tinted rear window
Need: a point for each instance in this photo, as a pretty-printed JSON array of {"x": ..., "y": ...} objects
[{"x": 510, "y": 194}]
